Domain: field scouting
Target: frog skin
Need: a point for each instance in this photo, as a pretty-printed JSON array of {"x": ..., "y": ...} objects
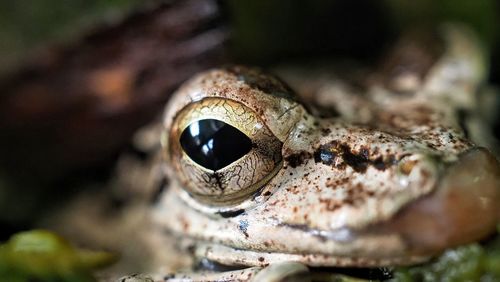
[{"x": 391, "y": 180}]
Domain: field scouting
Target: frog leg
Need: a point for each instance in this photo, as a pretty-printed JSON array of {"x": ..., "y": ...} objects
[{"x": 285, "y": 271}]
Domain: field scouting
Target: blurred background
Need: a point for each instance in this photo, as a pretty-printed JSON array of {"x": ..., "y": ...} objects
[{"x": 79, "y": 77}]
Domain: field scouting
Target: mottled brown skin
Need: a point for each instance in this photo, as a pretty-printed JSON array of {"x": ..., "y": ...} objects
[{"x": 393, "y": 185}]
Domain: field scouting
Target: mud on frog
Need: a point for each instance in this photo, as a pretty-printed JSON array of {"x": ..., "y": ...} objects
[{"x": 258, "y": 181}]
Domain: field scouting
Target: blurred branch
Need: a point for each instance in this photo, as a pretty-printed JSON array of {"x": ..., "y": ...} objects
[{"x": 77, "y": 106}]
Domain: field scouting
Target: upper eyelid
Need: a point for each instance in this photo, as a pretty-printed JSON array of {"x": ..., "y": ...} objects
[{"x": 245, "y": 119}]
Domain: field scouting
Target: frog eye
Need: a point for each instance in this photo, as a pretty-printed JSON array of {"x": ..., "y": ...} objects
[
  {"x": 221, "y": 151},
  {"x": 214, "y": 144}
]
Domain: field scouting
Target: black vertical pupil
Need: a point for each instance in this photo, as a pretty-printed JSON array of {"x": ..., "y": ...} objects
[{"x": 214, "y": 144}]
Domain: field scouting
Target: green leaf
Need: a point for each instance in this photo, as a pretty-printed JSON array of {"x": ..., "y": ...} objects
[{"x": 44, "y": 256}]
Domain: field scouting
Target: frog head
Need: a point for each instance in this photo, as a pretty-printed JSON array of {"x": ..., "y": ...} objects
[{"x": 256, "y": 178}]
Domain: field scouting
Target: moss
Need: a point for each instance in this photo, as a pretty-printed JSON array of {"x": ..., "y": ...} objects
[
  {"x": 43, "y": 256},
  {"x": 474, "y": 262}
]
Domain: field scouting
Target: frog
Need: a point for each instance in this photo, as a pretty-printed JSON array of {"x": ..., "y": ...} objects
[{"x": 265, "y": 184}]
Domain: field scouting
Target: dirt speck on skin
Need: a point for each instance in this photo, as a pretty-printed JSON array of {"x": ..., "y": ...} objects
[
  {"x": 330, "y": 153},
  {"x": 298, "y": 159}
]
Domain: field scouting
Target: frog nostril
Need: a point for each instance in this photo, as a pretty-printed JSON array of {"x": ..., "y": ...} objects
[
  {"x": 407, "y": 166},
  {"x": 418, "y": 168}
]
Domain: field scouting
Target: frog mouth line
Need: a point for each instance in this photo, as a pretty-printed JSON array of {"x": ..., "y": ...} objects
[
  {"x": 377, "y": 274},
  {"x": 342, "y": 235},
  {"x": 226, "y": 255}
]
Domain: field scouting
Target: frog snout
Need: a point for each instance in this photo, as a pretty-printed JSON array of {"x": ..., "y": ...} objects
[{"x": 462, "y": 209}]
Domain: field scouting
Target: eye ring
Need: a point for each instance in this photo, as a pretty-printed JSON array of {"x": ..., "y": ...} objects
[{"x": 240, "y": 173}]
